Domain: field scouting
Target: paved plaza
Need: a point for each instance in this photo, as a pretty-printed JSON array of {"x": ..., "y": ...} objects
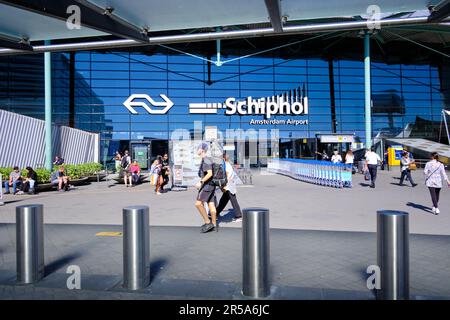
[
  {"x": 293, "y": 204},
  {"x": 322, "y": 241}
]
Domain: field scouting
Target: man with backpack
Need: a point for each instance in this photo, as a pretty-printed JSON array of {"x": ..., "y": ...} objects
[
  {"x": 229, "y": 191},
  {"x": 206, "y": 190},
  {"x": 125, "y": 165}
]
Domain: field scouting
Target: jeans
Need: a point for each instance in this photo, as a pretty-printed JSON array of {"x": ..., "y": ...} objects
[
  {"x": 15, "y": 185},
  {"x": 135, "y": 178},
  {"x": 406, "y": 173},
  {"x": 227, "y": 196},
  {"x": 373, "y": 173},
  {"x": 434, "y": 192}
]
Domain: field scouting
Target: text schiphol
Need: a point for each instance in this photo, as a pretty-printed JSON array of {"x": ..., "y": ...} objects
[{"x": 266, "y": 107}]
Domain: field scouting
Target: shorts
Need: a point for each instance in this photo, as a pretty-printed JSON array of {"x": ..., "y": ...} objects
[{"x": 206, "y": 193}]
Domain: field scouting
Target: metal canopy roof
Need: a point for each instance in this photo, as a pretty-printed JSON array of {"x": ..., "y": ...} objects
[
  {"x": 24, "y": 24},
  {"x": 36, "y": 20}
]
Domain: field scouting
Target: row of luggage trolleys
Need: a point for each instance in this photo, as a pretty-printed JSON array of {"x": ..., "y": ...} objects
[{"x": 325, "y": 173}]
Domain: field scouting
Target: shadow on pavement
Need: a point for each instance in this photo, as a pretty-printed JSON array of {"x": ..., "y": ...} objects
[
  {"x": 227, "y": 218},
  {"x": 364, "y": 277},
  {"x": 420, "y": 207},
  {"x": 397, "y": 184},
  {"x": 156, "y": 267},
  {"x": 13, "y": 201},
  {"x": 59, "y": 263},
  {"x": 364, "y": 184}
]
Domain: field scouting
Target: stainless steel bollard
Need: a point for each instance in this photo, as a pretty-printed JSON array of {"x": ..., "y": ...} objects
[
  {"x": 393, "y": 254},
  {"x": 255, "y": 253},
  {"x": 136, "y": 247},
  {"x": 30, "y": 243}
]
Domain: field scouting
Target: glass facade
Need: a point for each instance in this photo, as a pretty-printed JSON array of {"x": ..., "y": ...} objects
[{"x": 89, "y": 89}]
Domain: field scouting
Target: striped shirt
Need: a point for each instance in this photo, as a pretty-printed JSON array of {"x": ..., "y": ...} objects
[{"x": 434, "y": 174}]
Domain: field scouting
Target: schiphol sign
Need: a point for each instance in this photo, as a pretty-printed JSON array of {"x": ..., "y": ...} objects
[
  {"x": 283, "y": 105},
  {"x": 264, "y": 106}
]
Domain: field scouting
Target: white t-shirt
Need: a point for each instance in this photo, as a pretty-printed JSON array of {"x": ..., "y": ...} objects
[
  {"x": 372, "y": 158},
  {"x": 336, "y": 158},
  {"x": 231, "y": 178},
  {"x": 349, "y": 159}
]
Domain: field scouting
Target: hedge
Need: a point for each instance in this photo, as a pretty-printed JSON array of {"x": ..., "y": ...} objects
[{"x": 74, "y": 171}]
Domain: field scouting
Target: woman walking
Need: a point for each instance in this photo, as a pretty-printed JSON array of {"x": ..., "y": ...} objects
[
  {"x": 349, "y": 157},
  {"x": 158, "y": 172},
  {"x": 434, "y": 174},
  {"x": 117, "y": 161},
  {"x": 406, "y": 171}
]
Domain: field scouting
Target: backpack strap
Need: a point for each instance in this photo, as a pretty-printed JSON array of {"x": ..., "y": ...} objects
[{"x": 429, "y": 176}]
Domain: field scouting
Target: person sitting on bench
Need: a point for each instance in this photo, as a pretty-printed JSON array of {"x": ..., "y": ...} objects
[
  {"x": 60, "y": 178},
  {"x": 15, "y": 181},
  {"x": 30, "y": 182},
  {"x": 135, "y": 173}
]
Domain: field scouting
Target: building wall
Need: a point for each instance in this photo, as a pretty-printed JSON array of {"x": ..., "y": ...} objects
[
  {"x": 23, "y": 142},
  {"x": 403, "y": 94}
]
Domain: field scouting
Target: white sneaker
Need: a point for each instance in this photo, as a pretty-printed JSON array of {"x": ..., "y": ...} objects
[
  {"x": 438, "y": 211},
  {"x": 434, "y": 210}
]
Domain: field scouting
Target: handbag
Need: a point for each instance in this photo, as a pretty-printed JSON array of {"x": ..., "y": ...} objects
[
  {"x": 412, "y": 166},
  {"x": 367, "y": 175}
]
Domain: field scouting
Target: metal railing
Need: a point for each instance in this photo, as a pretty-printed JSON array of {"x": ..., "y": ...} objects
[{"x": 325, "y": 173}]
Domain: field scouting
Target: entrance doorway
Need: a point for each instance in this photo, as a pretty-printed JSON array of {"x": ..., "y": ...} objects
[
  {"x": 330, "y": 142},
  {"x": 144, "y": 152}
]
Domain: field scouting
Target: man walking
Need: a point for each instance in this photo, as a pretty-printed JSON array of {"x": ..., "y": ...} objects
[
  {"x": 372, "y": 160},
  {"x": 229, "y": 192},
  {"x": 206, "y": 190}
]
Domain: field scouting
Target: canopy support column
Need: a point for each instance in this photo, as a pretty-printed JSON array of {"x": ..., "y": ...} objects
[
  {"x": 367, "y": 90},
  {"x": 48, "y": 108}
]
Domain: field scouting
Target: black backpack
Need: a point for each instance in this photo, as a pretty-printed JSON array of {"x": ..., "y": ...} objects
[
  {"x": 124, "y": 162},
  {"x": 219, "y": 178}
]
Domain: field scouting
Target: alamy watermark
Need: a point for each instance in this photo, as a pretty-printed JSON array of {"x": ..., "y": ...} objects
[
  {"x": 74, "y": 280},
  {"x": 374, "y": 280},
  {"x": 74, "y": 20},
  {"x": 373, "y": 17},
  {"x": 250, "y": 146}
]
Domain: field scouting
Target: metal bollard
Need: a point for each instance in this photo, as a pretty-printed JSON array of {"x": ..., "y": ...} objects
[
  {"x": 136, "y": 247},
  {"x": 30, "y": 243},
  {"x": 393, "y": 254},
  {"x": 255, "y": 252}
]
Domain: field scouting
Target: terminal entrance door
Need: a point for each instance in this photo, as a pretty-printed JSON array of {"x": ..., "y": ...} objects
[
  {"x": 144, "y": 152},
  {"x": 140, "y": 151},
  {"x": 331, "y": 142}
]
